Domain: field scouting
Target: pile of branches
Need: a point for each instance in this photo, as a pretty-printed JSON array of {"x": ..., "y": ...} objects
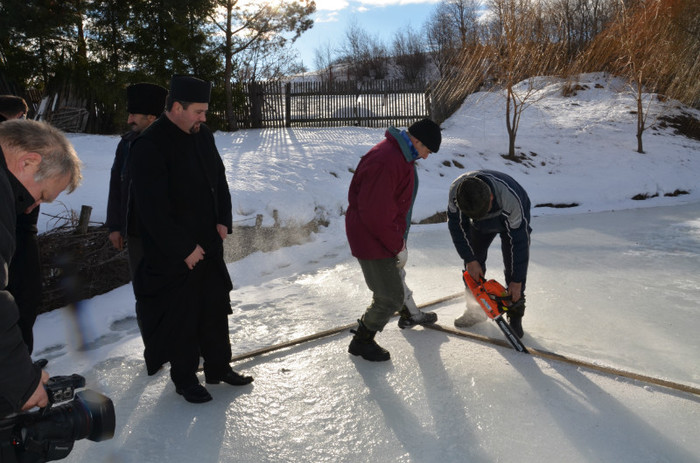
[{"x": 77, "y": 266}]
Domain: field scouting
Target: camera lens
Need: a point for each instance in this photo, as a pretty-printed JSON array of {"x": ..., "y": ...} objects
[
  {"x": 100, "y": 410},
  {"x": 90, "y": 415}
]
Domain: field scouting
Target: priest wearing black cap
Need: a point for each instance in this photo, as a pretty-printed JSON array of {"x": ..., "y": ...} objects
[
  {"x": 182, "y": 209},
  {"x": 144, "y": 103}
]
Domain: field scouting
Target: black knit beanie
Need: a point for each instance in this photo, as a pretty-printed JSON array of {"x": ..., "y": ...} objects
[
  {"x": 144, "y": 98},
  {"x": 473, "y": 197},
  {"x": 428, "y": 132}
]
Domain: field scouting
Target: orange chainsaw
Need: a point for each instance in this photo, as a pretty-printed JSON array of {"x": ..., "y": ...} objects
[{"x": 494, "y": 299}]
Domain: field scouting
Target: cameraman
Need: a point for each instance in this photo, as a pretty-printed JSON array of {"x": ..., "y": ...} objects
[{"x": 37, "y": 162}]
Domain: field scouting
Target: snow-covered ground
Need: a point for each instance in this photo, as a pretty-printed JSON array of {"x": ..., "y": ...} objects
[{"x": 613, "y": 282}]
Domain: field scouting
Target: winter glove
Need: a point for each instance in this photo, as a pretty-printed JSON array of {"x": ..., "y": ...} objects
[{"x": 402, "y": 258}]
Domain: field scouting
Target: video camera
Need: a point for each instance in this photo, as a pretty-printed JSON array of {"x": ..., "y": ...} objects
[{"x": 49, "y": 433}]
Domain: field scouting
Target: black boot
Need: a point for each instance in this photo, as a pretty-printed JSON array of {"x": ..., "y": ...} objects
[
  {"x": 363, "y": 344},
  {"x": 516, "y": 324},
  {"x": 515, "y": 316}
]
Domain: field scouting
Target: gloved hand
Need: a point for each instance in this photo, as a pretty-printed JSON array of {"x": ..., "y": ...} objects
[{"x": 402, "y": 257}]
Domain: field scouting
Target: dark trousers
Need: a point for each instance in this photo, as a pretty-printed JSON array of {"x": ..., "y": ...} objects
[
  {"x": 383, "y": 278},
  {"x": 203, "y": 329}
]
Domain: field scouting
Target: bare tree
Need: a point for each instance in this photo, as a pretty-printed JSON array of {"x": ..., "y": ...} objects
[
  {"x": 379, "y": 59},
  {"x": 682, "y": 82},
  {"x": 409, "y": 54},
  {"x": 442, "y": 41},
  {"x": 639, "y": 47},
  {"x": 324, "y": 58},
  {"x": 259, "y": 62},
  {"x": 354, "y": 49},
  {"x": 365, "y": 54},
  {"x": 580, "y": 21},
  {"x": 519, "y": 51},
  {"x": 464, "y": 17},
  {"x": 452, "y": 28}
]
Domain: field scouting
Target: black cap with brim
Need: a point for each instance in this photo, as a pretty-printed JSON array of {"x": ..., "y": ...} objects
[
  {"x": 189, "y": 89},
  {"x": 145, "y": 98}
]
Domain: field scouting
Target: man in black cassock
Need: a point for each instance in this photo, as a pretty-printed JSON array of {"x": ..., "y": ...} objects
[
  {"x": 181, "y": 207},
  {"x": 144, "y": 103}
]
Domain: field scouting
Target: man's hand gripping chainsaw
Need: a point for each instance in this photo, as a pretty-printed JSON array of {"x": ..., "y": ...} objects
[
  {"x": 495, "y": 300},
  {"x": 493, "y": 297}
]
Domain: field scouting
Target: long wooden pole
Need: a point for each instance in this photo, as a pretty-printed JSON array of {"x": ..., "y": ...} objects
[
  {"x": 319, "y": 335},
  {"x": 496, "y": 342},
  {"x": 572, "y": 361}
]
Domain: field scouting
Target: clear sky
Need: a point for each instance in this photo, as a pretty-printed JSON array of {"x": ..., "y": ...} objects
[{"x": 380, "y": 18}]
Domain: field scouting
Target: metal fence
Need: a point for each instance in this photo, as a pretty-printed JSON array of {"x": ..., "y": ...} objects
[{"x": 323, "y": 104}]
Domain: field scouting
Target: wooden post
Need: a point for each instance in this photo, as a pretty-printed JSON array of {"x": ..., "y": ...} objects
[
  {"x": 256, "y": 103},
  {"x": 84, "y": 221},
  {"x": 288, "y": 104}
]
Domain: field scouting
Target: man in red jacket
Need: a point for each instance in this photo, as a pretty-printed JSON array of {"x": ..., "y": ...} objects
[{"x": 381, "y": 198}]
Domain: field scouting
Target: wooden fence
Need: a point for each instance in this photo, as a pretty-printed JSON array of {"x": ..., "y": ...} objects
[
  {"x": 322, "y": 104},
  {"x": 63, "y": 109}
]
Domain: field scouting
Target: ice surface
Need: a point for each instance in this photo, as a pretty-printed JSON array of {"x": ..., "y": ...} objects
[{"x": 613, "y": 282}]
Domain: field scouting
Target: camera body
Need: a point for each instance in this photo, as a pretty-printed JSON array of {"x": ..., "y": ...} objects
[{"x": 49, "y": 433}]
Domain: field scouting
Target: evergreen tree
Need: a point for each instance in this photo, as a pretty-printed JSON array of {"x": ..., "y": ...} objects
[
  {"x": 38, "y": 39},
  {"x": 170, "y": 37}
]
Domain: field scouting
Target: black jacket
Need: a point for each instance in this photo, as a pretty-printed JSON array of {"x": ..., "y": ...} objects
[
  {"x": 19, "y": 377},
  {"x": 119, "y": 182},
  {"x": 509, "y": 217},
  {"x": 25, "y": 274},
  {"x": 180, "y": 194}
]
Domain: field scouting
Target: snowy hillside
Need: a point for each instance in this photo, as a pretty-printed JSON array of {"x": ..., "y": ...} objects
[{"x": 574, "y": 149}]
